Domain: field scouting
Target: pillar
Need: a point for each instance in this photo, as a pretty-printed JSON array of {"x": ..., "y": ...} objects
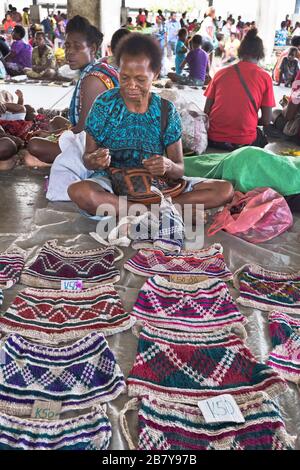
[
  {"x": 105, "y": 14},
  {"x": 267, "y": 21},
  {"x": 88, "y": 8}
]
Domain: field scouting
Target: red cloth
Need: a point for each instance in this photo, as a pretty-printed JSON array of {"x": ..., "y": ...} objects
[
  {"x": 17, "y": 128},
  {"x": 232, "y": 117},
  {"x": 141, "y": 19}
]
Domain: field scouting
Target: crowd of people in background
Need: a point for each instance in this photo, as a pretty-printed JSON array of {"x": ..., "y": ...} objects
[
  {"x": 35, "y": 50},
  {"x": 190, "y": 45}
]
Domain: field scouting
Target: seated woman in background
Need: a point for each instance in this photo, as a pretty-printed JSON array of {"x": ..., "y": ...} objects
[
  {"x": 43, "y": 59},
  {"x": 235, "y": 96},
  {"x": 295, "y": 43},
  {"x": 198, "y": 62},
  {"x": 289, "y": 68},
  {"x": 231, "y": 48},
  {"x": 124, "y": 131},
  {"x": 115, "y": 39},
  {"x": 82, "y": 43},
  {"x": 20, "y": 55}
]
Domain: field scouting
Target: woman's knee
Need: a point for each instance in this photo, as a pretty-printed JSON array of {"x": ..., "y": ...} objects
[
  {"x": 225, "y": 192},
  {"x": 43, "y": 149},
  {"x": 7, "y": 148},
  {"x": 74, "y": 191},
  {"x": 80, "y": 192},
  {"x": 34, "y": 147}
]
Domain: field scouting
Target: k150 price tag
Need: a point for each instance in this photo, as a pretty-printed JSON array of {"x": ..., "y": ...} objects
[
  {"x": 72, "y": 285},
  {"x": 221, "y": 409}
]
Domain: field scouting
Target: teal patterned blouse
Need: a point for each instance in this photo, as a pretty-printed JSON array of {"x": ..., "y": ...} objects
[{"x": 131, "y": 137}]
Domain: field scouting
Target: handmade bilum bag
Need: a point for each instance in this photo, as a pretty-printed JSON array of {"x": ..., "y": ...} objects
[{"x": 135, "y": 183}]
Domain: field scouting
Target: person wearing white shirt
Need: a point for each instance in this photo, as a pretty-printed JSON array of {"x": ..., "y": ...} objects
[
  {"x": 173, "y": 26},
  {"x": 208, "y": 30}
]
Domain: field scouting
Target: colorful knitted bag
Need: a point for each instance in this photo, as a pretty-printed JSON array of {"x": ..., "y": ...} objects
[
  {"x": 11, "y": 265},
  {"x": 54, "y": 316},
  {"x": 182, "y": 427},
  {"x": 80, "y": 375},
  {"x": 186, "y": 367},
  {"x": 285, "y": 335},
  {"x": 268, "y": 290},
  {"x": 55, "y": 264},
  {"x": 208, "y": 262},
  {"x": 205, "y": 306},
  {"x": 91, "y": 431}
]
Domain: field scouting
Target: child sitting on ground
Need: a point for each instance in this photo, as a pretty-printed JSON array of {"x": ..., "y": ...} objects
[
  {"x": 197, "y": 60},
  {"x": 289, "y": 68},
  {"x": 180, "y": 50}
]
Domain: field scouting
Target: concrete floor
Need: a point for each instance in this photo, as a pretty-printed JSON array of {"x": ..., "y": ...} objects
[
  {"x": 22, "y": 189},
  {"x": 21, "y": 194}
]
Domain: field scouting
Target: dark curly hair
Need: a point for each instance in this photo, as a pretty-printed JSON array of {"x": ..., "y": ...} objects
[
  {"x": 20, "y": 31},
  {"x": 251, "y": 46},
  {"x": 296, "y": 41},
  {"x": 137, "y": 44},
  {"x": 116, "y": 38},
  {"x": 79, "y": 24}
]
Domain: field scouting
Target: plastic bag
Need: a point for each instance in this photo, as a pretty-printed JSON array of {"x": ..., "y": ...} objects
[
  {"x": 195, "y": 127},
  {"x": 195, "y": 123},
  {"x": 258, "y": 216}
]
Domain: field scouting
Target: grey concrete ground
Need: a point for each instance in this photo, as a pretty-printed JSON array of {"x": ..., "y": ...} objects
[{"x": 22, "y": 189}]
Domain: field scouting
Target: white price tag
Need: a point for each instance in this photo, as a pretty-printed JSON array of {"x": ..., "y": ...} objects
[
  {"x": 46, "y": 410},
  {"x": 73, "y": 285},
  {"x": 221, "y": 409}
]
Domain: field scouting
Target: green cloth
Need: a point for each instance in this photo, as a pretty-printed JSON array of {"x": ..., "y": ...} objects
[{"x": 248, "y": 168}]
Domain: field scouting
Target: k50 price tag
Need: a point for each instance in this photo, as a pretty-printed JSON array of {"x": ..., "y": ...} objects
[
  {"x": 222, "y": 409},
  {"x": 49, "y": 410}
]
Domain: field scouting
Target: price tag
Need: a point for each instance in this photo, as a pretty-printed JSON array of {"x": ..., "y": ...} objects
[
  {"x": 222, "y": 409},
  {"x": 179, "y": 279},
  {"x": 73, "y": 285},
  {"x": 49, "y": 410}
]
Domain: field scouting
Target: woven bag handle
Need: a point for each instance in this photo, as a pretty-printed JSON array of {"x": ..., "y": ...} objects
[
  {"x": 236, "y": 276},
  {"x": 131, "y": 405}
]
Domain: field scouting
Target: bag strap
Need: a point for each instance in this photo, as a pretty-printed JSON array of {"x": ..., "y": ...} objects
[
  {"x": 131, "y": 405},
  {"x": 245, "y": 86},
  {"x": 164, "y": 116}
]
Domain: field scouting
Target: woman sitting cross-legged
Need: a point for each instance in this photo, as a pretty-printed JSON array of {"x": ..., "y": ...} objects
[
  {"x": 82, "y": 43},
  {"x": 124, "y": 130},
  {"x": 235, "y": 97}
]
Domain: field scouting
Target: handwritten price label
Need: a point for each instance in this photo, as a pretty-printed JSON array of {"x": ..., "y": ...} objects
[
  {"x": 72, "y": 285},
  {"x": 222, "y": 409}
]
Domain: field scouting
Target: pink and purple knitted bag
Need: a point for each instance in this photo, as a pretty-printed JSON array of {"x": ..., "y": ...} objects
[
  {"x": 205, "y": 306},
  {"x": 268, "y": 290},
  {"x": 55, "y": 264},
  {"x": 209, "y": 262}
]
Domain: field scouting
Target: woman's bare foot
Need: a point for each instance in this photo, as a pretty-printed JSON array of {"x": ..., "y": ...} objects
[
  {"x": 31, "y": 161},
  {"x": 9, "y": 164}
]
